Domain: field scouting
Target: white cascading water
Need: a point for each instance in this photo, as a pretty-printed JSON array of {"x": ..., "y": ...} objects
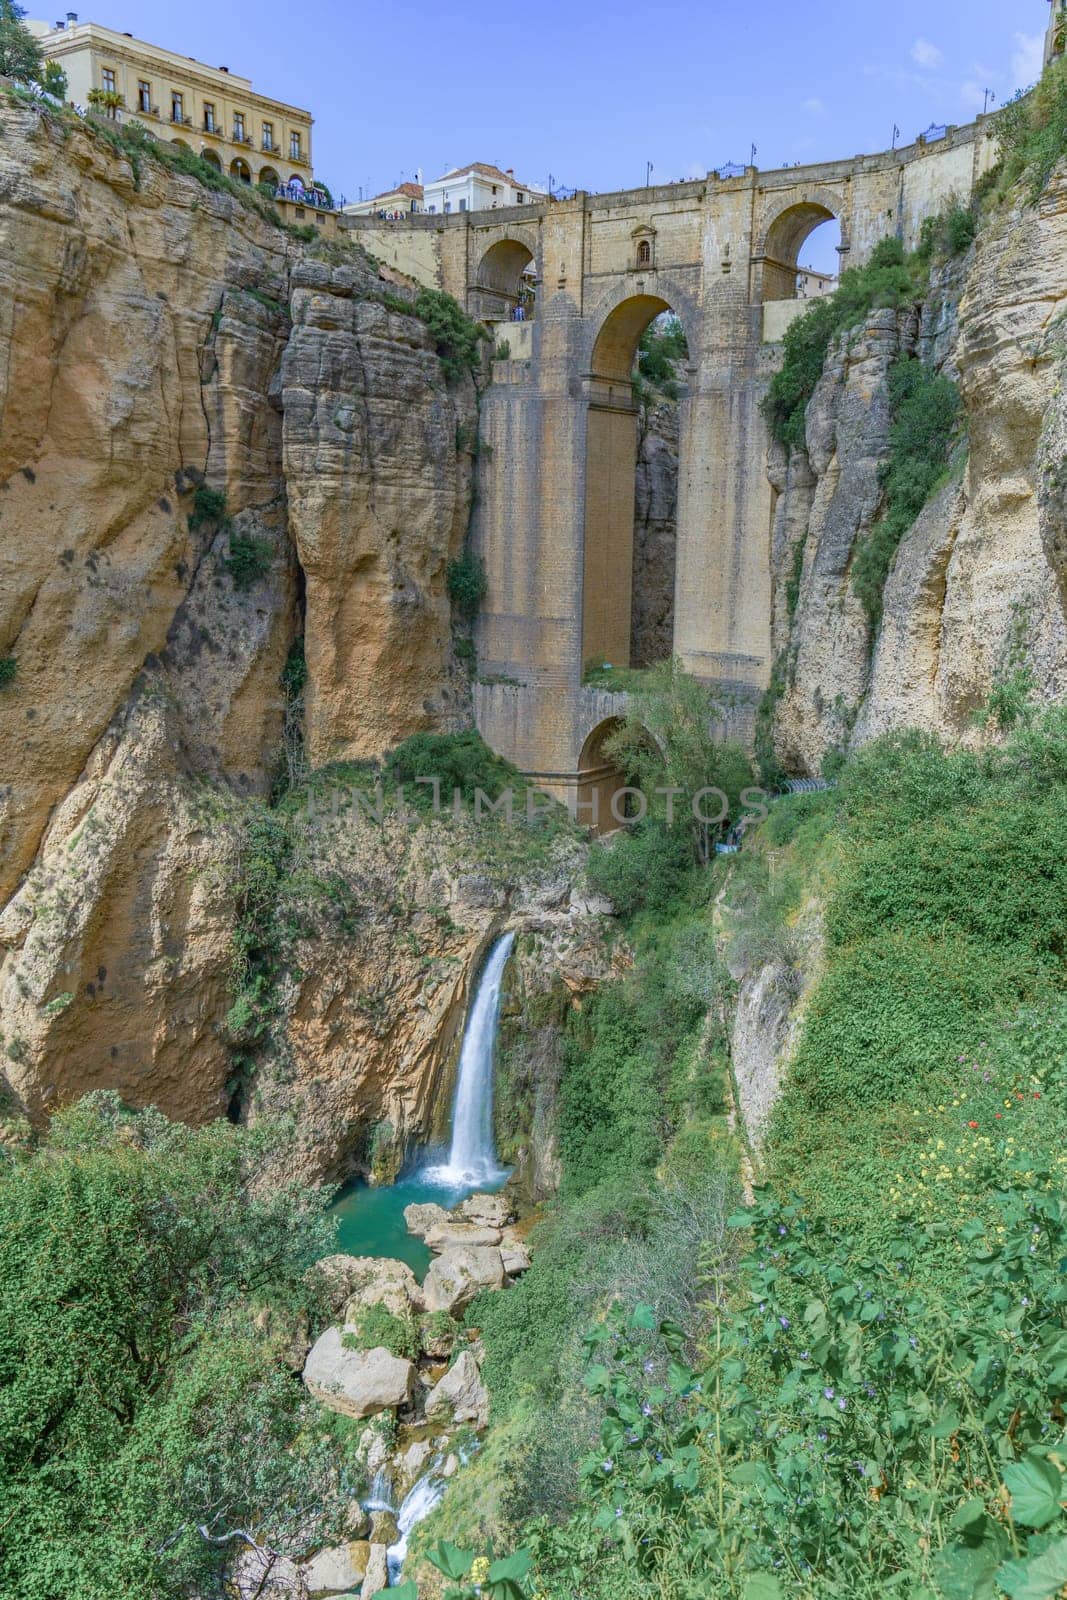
[
  {"x": 381, "y": 1493},
  {"x": 417, "y": 1504},
  {"x": 472, "y": 1157}
]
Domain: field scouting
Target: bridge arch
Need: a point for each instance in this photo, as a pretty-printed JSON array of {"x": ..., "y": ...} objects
[
  {"x": 627, "y": 610},
  {"x": 783, "y": 235},
  {"x": 600, "y": 779},
  {"x": 504, "y": 280}
]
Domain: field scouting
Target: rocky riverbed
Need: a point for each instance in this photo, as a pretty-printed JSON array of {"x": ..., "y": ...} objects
[{"x": 419, "y": 1392}]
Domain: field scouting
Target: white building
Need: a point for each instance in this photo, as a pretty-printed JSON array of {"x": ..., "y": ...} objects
[
  {"x": 478, "y": 187},
  {"x": 403, "y": 199}
]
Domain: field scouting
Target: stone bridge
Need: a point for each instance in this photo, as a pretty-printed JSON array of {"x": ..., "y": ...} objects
[{"x": 555, "y": 517}]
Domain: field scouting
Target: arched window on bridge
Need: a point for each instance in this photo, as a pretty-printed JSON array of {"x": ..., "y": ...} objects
[
  {"x": 802, "y": 255},
  {"x": 505, "y": 286},
  {"x": 634, "y": 452},
  {"x": 644, "y": 253}
]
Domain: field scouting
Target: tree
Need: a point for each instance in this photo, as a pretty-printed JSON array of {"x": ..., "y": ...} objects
[
  {"x": 54, "y": 81},
  {"x": 668, "y": 740},
  {"x": 20, "y": 54},
  {"x": 109, "y": 101},
  {"x": 150, "y": 1285}
]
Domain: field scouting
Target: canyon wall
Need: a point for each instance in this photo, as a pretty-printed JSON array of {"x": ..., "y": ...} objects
[
  {"x": 161, "y": 340},
  {"x": 978, "y": 586}
]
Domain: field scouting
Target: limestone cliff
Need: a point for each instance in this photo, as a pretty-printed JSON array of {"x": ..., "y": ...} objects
[
  {"x": 655, "y": 526},
  {"x": 977, "y": 587},
  {"x": 161, "y": 340}
]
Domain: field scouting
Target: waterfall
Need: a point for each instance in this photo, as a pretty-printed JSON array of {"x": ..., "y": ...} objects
[
  {"x": 380, "y": 1497},
  {"x": 472, "y": 1156},
  {"x": 417, "y": 1504}
]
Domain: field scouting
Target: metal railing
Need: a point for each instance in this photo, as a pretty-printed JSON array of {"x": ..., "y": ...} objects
[
  {"x": 730, "y": 169},
  {"x": 317, "y": 199}
]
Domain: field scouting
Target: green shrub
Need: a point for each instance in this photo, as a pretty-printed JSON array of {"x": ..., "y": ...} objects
[
  {"x": 457, "y": 339},
  {"x": 467, "y": 584},
  {"x": 950, "y": 233},
  {"x": 643, "y": 869},
  {"x": 996, "y": 873},
  {"x": 375, "y": 1326},
  {"x": 662, "y": 345},
  {"x": 925, "y": 408},
  {"x": 461, "y": 761},
  {"x": 1032, "y": 132},
  {"x": 248, "y": 560},
  {"x": 209, "y": 505},
  {"x": 8, "y": 671},
  {"x": 134, "y": 1254},
  {"x": 888, "y": 280},
  {"x": 898, "y": 783}
]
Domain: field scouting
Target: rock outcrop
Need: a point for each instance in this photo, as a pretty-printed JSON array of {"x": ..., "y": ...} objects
[
  {"x": 357, "y": 1383},
  {"x": 459, "y": 1273},
  {"x": 655, "y": 531},
  {"x": 460, "y": 1394}
]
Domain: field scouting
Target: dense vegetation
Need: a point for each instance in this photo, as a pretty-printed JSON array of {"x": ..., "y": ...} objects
[
  {"x": 660, "y": 349},
  {"x": 924, "y": 407},
  {"x": 872, "y": 1404},
  {"x": 1032, "y": 131},
  {"x": 149, "y": 1288},
  {"x": 890, "y": 280}
]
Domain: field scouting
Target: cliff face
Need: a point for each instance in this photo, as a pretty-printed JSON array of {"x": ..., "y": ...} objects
[
  {"x": 977, "y": 588},
  {"x": 655, "y": 528},
  {"x": 158, "y": 338}
]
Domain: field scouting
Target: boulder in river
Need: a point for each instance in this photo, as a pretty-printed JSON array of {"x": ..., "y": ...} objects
[
  {"x": 446, "y": 1235},
  {"x": 377, "y": 1572},
  {"x": 357, "y": 1383},
  {"x": 487, "y": 1210},
  {"x": 420, "y": 1219},
  {"x": 457, "y": 1276},
  {"x": 516, "y": 1259},
  {"x": 461, "y": 1393},
  {"x": 337, "y": 1571},
  {"x": 377, "y": 1280}
]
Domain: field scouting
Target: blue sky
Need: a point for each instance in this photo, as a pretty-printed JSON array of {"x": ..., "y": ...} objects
[{"x": 589, "y": 91}]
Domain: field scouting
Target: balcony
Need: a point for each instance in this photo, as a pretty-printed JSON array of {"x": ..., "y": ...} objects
[
  {"x": 241, "y": 138},
  {"x": 180, "y": 121},
  {"x": 269, "y": 147}
]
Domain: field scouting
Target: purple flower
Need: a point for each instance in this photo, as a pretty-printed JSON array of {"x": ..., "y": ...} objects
[
  {"x": 607, "y": 1465},
  {"x": 784, "y": 1321},
  {"x": 805, "y": 1355},
  {"x": 828, "y": 1394},
  {"x": 842, "y": 1403}
]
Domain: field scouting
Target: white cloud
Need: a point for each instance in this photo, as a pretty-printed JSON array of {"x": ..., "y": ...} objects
[
  {"x": 1028, "y": 59},
  {"x": 926, "y": 54},
  {"x": 814, "y": 107}
]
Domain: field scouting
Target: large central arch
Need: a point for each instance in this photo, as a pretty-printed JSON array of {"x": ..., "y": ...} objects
[{"x": 610, "y": 467}]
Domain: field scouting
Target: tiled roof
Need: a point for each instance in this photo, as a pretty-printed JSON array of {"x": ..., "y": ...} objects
[
  {"x": 484, "y": 169},
  {"x": 412, "y": 190}
]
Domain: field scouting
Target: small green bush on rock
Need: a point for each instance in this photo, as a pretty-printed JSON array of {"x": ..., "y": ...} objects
[
  {"x": 249, "y": 559},
  {"x": 467, "y": 584}
]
